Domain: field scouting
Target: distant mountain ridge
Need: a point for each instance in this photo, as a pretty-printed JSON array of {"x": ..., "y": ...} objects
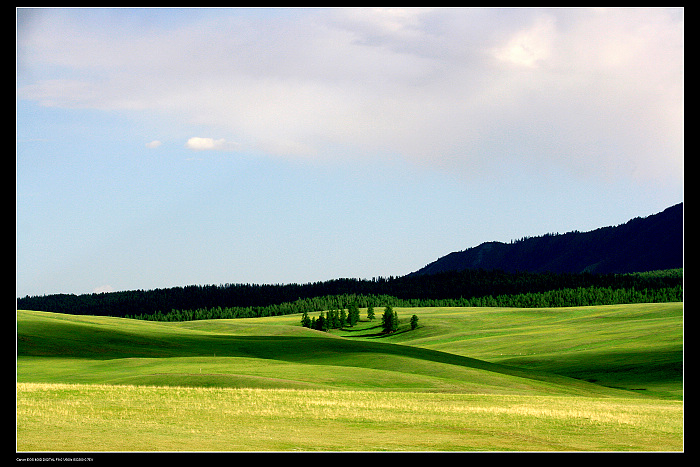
[{"x": 641, "y": 244}]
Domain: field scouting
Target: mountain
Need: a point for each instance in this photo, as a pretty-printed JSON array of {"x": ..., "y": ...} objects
[{"x": 642, "y": 244}]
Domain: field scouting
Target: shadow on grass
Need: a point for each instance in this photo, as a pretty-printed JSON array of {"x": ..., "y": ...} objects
[
  {"x": 633, "y": 371},
  {"x": 92, "y": 343},
  {"x": 63, "y": 339}
]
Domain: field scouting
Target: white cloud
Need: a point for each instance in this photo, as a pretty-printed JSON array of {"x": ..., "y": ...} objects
[
  {"x": 589, "y": 90},
  {"x": 208, "y": 144},
  {"x": 153, "y": 144},
  {"x": 531, "y": 46}
]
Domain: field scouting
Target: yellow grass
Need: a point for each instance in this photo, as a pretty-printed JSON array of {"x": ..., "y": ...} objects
[{"x": 96, "y": 418}]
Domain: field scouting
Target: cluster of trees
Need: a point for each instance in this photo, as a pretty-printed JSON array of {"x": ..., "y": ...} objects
[
  {"x": 390, "y": 320},
  {"x": 338, "y": 318},
  {"x": 335, "y": 318}
]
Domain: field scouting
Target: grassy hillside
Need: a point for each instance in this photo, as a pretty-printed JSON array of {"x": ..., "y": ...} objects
[
  {"x": 633, "y": 347},
  {"x": 71, "y": 349},
  {"x": 589, "y": 378}
]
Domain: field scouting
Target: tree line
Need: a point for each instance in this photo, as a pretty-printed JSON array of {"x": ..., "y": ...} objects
[
  {"x": 581, "y": 296},
  {"x": 250, "y": 300}
]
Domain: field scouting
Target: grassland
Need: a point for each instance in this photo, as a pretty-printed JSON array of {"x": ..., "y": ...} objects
[{"x": 592, "y": 378}]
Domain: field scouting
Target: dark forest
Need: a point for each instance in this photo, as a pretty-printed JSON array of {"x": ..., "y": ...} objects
[{"x": 463, "y": 288}]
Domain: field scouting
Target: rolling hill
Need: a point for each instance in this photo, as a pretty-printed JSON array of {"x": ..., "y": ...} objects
[
  {"x": 603, "y": 378},
  {"x": 473, "y": 350},
  {"x": 641, "y": 244}
]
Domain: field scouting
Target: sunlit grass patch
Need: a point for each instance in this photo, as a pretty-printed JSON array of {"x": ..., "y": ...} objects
[{"x": 58, "y": 417}]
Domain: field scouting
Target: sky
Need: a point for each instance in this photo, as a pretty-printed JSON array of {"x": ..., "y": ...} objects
[{"x": 161, "y": 147}]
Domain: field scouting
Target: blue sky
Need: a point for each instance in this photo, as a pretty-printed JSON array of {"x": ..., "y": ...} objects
[{"x": 169, "y": 147}]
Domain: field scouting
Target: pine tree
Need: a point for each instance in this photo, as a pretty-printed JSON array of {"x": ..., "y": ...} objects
[
  {"x": 386, "y": 318},
  {"x": 414, "y": 322},
  {"x": 322, "y": 323},
  {"x": 333, "y": 319},
  {"x": 353, "y": 314},
  {"x": 390, "y": 320},
  {"x": 370, "y": 312},
  {"x": 305, "y": 320}
]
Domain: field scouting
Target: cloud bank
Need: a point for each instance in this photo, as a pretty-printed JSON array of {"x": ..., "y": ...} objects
[{"x": 592, "y": 92}]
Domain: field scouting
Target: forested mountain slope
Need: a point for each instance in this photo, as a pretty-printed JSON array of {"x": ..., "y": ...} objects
[{"x": 642, "y": 244}]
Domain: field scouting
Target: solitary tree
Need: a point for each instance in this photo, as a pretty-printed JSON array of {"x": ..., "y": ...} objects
[
  {"x": 386, "y": 318},
  {"x": 390, "y": 320},
  {"x": 414, "y": 322},
  {"x": 370, "y": 312}
]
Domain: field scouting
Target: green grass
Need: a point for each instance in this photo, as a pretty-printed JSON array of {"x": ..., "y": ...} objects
[
  {"x": 588, "y": 378},
  {"x": 634, "y": 347}
]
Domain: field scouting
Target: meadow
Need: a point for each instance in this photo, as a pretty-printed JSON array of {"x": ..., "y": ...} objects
[{"x": 605, "y": 378}]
